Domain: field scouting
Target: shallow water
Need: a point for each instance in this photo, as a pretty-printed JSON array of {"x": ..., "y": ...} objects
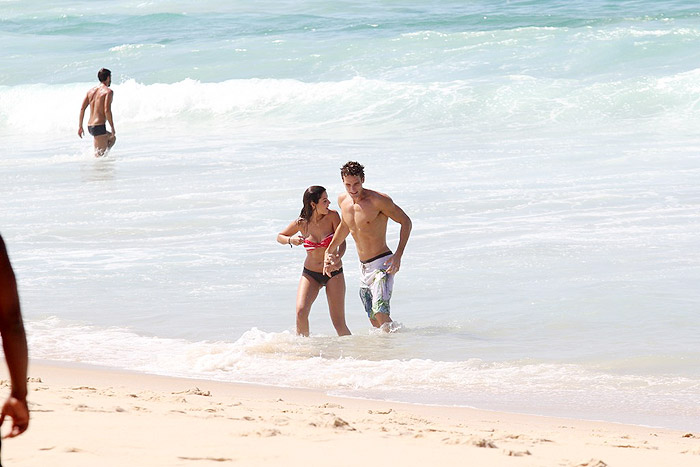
[{"x": 546, "y": 153}]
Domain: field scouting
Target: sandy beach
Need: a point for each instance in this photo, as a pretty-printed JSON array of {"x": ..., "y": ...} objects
[{"x": 85, "y": 416}]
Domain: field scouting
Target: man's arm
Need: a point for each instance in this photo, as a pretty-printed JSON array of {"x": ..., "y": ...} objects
[
  {"x": 86, "y": 101},
  {"x": 343, "y": 246},
  {"x": 341, "y": 249},
  {"x": 108, "y": 110},
  {"x": 14, "y": 342},
  {"x": 396, "y": 214},
  {"x": 331, "y": 259}
]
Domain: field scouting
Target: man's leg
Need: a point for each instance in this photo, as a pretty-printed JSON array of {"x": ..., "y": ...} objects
[
  {"x": 366, "y": 298},
  {"x": 101, "y": 145},
  {"x": 377, "y": 312},
  {"x": 380, "y": 290},
  {"x": 380, "y": 318},
  {"x": 111, "y": 139}
]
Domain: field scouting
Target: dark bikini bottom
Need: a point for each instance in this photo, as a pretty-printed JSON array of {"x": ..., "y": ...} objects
[{"x": 320, "y": 277}]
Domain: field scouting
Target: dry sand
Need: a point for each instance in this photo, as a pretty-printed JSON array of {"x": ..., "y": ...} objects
[{"x": 83, "y": 416}]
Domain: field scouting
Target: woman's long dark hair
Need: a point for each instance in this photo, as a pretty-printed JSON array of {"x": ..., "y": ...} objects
[{"x": 311, "y": 195}]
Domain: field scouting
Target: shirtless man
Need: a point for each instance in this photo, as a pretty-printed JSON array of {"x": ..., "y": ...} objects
[
  {"x": 99, "y": 99},
  {"x": 365, "y": 215},
  {"x": 14, "y": 343}
]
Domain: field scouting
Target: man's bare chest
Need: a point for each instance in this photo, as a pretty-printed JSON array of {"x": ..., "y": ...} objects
[{"x": 361, "y": 216}]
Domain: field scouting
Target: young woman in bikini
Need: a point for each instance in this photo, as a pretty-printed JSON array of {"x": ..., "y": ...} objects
[{"x": 314, "y": 230}]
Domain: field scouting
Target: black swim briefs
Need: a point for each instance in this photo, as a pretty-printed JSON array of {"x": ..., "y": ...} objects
[
  {"x": 321, "y": 278},
  {"x": 97, "y": 130}
]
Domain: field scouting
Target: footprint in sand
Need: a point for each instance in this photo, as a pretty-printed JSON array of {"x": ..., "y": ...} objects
[
  {"x": 195, "y": 392},
  {"x": 517, "y": 453},
  {"x": 214, "y": 459},
  {"x": 280, "y": 421},
  {"x": 592, "y": 463},
  {"x": 340, "y": 423},
  {"x": 330, "y": 405}
]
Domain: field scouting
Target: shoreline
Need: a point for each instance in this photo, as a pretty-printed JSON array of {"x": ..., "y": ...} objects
[
  {"x": 338, "y": 393},
  {"x": 84, "y": 415}
]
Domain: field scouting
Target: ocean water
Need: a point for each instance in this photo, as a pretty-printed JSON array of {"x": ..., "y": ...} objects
[{"x": 546, "y": 151}]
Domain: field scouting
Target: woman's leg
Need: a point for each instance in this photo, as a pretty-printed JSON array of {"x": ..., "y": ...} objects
[
  {"x": 306, "y": 294},
  {"x": 335, "y": 293}
]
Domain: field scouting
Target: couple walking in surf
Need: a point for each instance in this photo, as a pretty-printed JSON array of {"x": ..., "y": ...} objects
[{"x": 322, "y": 232}]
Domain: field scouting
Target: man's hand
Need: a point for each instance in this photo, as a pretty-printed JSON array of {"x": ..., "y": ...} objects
[
  {"x": 331, "y": 262},
  {"x": 81, "y": 132},
  {"x": 393, "y": 264},
  {"x": 18, "y": 411}
]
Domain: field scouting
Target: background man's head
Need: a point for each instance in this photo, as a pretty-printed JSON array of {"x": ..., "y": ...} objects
[
  {"x": 354, "y": 169},
  {"x": 103, "y": 75}
]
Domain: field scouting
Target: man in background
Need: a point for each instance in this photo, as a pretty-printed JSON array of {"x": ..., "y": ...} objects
[
  {"x": 99, "y": 99},
  {"x": 14, "y": 343}
]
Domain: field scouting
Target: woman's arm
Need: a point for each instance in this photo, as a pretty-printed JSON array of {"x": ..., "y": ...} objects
[{"x": 288, "y": 237}]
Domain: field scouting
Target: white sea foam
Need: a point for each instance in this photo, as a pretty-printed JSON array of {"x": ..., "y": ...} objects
[
  {"x": 131, "y": 47},
  {"x": 281, "y": 359},
  {"x": 516, "y": 103}
]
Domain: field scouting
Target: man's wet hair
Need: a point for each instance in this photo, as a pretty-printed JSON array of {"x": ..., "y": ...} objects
[
  {"x": 103, "y": 74},
  {"x": 354, "y": 169}
]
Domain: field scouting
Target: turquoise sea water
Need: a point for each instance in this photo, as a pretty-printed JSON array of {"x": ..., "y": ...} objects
[{"x": 546, "y": 151}]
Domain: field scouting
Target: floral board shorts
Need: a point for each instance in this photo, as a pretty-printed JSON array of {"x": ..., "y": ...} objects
[{"x": 376, "y": 285}]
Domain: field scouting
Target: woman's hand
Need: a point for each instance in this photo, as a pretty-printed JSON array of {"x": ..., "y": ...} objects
[{"x": 296, "y": 240}]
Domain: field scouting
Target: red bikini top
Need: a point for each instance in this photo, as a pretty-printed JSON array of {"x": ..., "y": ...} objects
[{"x": 310, "y": 246}]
